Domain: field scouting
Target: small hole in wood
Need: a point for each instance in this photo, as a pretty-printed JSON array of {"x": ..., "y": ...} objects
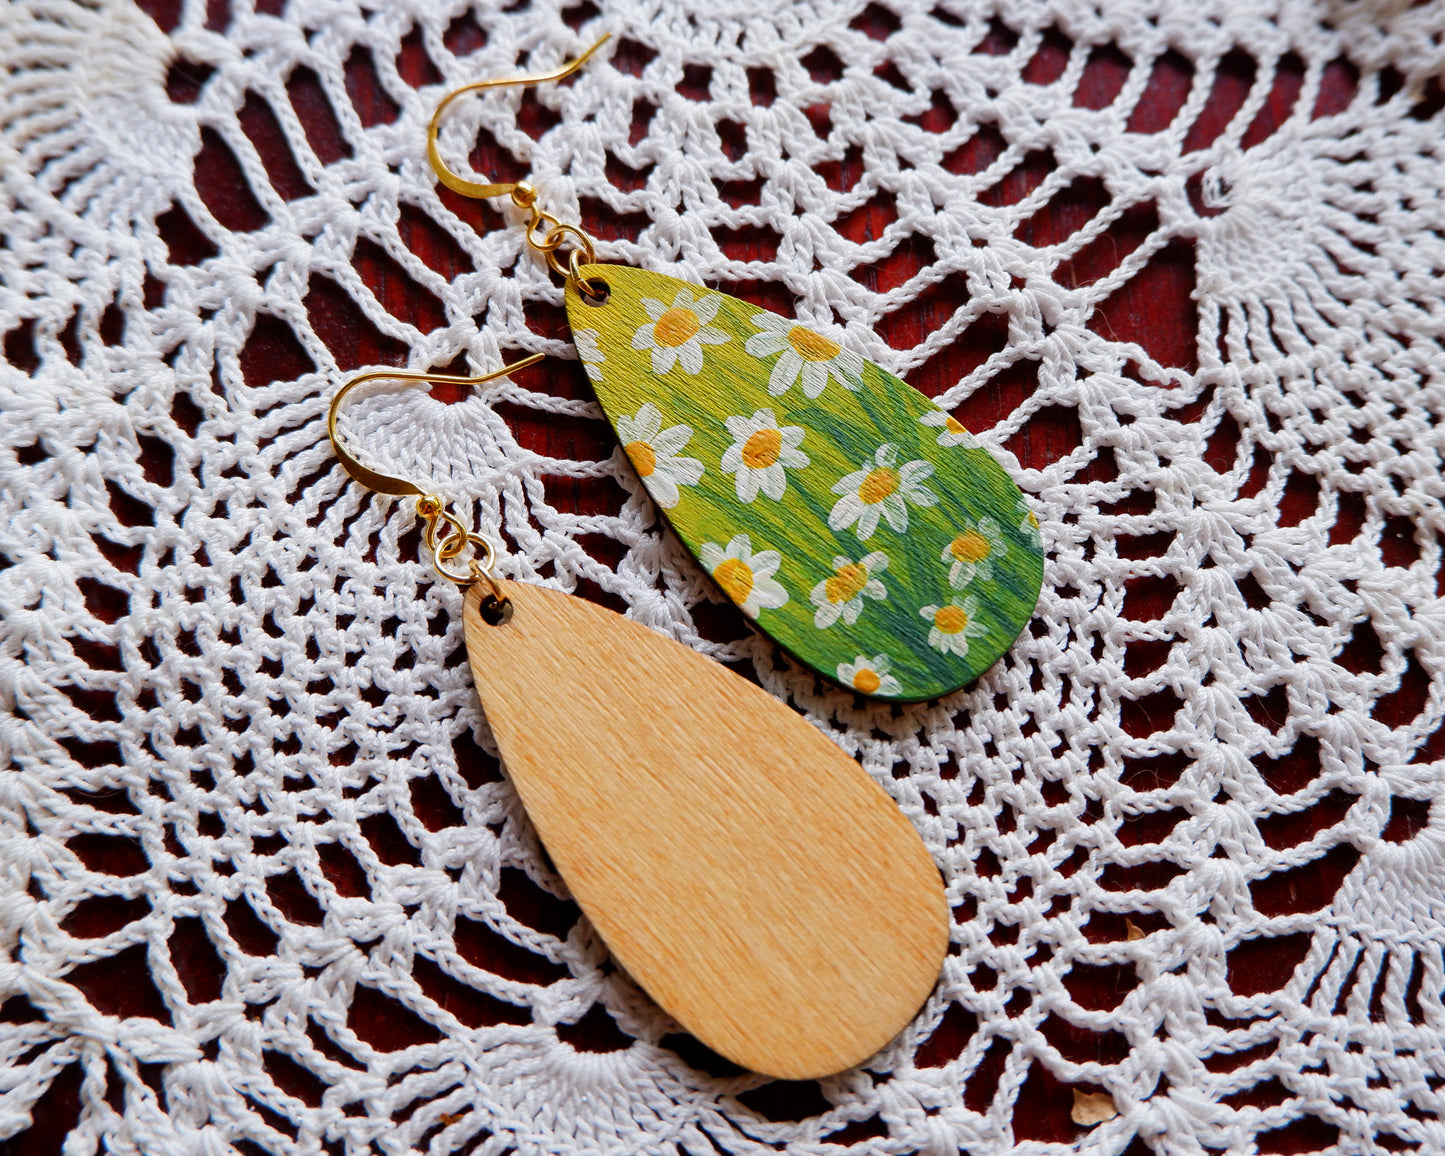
[
  {"x": 594, "y": 292},
  {"x": 495, "y": 611}
]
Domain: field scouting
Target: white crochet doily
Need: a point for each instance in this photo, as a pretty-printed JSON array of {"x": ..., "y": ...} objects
[{"x": 1195, "y": 861}]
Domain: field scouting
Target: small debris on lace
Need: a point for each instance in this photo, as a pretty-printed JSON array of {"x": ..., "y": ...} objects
[
  {"x": 1092, "y": 1108},
  {"x": 1131, "y": 931}
]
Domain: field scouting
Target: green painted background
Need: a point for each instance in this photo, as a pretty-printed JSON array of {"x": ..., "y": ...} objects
[{"x": 843, "y": 429}]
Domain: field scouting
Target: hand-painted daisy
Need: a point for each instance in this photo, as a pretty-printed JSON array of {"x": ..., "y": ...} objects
[
  {"x": 841, "y": 596},
  {"x": 975, "y": 552},
  {"x": 881, "y": 489},
  {"x": 653, "y": 451},
  {"x": 745, "y": 577},
  {"x": 1028, "y": 523},
  {"x": 760, "y": 454},
  {"x": 586, "y": 342},
  {"x": 803, "y": 352},
  {"x": 869, "y": 675},
  {"x": 679, "y": 332},
  {"x": 952, "y": 625},
  {"x": 953, "y": 432}
]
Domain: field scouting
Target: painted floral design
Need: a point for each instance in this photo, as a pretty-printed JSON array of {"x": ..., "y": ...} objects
[
  {"x": 869, "y": 675},
  {"x": 803, "y": 354},
  {"x": 654, "y": 454},
  {"x": 1028, "y": 523},
  {"x": 745, "y": 577},
  {"x": 881, "y": 489},
  {"x": 975, "y": 553},
  {"x": 952, "y": 625},
  {"x": 952, "y": 430},
  {"x": 677, "y": 332},
  {"x": 761, "y": 454},
  {"x": 587, "y": 348},
  {"x": 841, "y": 595}
]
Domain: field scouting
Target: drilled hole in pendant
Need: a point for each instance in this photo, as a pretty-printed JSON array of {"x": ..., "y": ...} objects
[
  {"x": 495, "y": 611},
  {"x": 594, "y": 292}
]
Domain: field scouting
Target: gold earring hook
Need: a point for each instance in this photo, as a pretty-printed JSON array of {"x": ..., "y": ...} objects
[
  {"x": 447, "y": 535},
  {"x": 384, "y": 483},
  {"x": 553, "y": 233},
  {"x": 478, "y": 189}
]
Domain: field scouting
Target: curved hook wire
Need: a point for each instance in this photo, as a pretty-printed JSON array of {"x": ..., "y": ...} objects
[
  {"x": 479, "y": 189},
  {"x": 384, "y": 483}
]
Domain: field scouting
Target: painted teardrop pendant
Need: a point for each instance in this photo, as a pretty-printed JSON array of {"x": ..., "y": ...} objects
[
  {"x": 764, "y": 890},
  {"x": 855, "y": 522}
]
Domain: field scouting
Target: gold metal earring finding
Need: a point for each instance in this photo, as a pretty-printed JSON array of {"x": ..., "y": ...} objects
[
  {"x": 447, "y": 536},
  {"x": 545, "y": 233}
]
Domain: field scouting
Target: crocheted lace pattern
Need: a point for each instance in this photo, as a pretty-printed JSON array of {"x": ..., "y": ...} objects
[{"x": 265, "y": 886}]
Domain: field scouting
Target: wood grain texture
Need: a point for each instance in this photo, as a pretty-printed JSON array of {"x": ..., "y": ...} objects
[
  {"x": 748, "y": 874},
  {"x": 855, "y": 522}
]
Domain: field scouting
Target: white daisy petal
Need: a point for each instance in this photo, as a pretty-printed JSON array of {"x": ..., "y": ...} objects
[
  {"x": 845, "y": 512},
  {"x": 690, "y": 354},
  {"x": 766, "y": 562},
  {"x": 764, "y": 344},
  {"x": 663, "y": 490},
  {"x": 669, "y": 441},
  {"x": 663, "y": 358},
  {"x": 851, "y": 483},
  {"x": 896, "y": 511},
  {"x": 785, "y": 372},
  {"x": 775, "y": 481},
  {"x": 867, "y": 523},
  {"x": 645, "y": 337}
]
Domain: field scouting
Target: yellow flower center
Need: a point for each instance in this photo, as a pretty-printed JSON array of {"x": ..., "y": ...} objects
[
  {"x": 644, "y": 458},
  {"x": 811, "y": 346},
  {"x": 846, "y": 584},
  {"x": 950, "y": 619},
  {"x": 676, "y": 327},
  {"x": 970, "y": 547},
  {"x": 878, "y": 485},
  {"x": 867, "y": 681},
  {"x": 953, "y": 425},
  {"x": 736, "y": 579},
  {"x": 762, "y": 449},
  {"x": 1032, "y": 520}
]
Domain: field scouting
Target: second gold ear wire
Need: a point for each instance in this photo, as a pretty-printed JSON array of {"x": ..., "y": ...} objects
[
  {"x": 545, "y": 233},
  {"x": 446, "y": 534}
]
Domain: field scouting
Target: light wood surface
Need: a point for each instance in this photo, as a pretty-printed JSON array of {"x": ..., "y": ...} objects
[{"x": 748, "y": 874}]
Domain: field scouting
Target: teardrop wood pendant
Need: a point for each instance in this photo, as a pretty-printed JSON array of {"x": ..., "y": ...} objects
[
  {"x": 747, "y": 873},
  {"x": 857, "y": 524}
]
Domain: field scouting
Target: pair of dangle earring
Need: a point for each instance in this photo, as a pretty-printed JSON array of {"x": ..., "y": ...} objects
[
  {"x": 749, "y": 875},
  {"x": 858, "y": 525}
]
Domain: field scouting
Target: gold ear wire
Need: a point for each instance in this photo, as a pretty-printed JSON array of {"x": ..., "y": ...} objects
[
  {"x": 384, "y": 483},
  {"x": 455, "y": 181}
]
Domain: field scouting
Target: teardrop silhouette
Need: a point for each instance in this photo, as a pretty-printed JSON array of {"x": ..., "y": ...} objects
[
  {"x": 855, "y": 522},
  {"x": 746, "y": 872}
]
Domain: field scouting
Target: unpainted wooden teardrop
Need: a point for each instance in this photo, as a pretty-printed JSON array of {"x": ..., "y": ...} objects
[{"x": 750, "y": 876}]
